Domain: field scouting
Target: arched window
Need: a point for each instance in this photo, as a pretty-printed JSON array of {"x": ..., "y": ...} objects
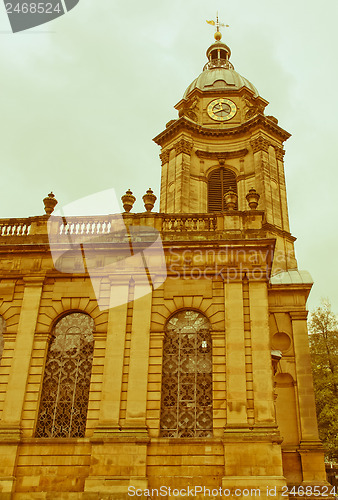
[
  {"x": 219, "y": 182},
  {"x": 2, "y": 331},
  {"x": 186, "y": 408},
  {"x": 65, "y": 390}
]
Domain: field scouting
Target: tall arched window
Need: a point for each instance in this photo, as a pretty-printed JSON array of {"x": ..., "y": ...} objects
[
  {"x": 65, "y": 390},
  {"x": 186, "y": 407},
  {"x": 219, "y": 182},
  {"x": 2, "y": 331}
]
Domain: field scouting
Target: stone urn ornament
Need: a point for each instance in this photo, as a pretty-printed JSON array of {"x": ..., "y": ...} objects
[
  {"x": 230, "y": 199},
  {"x": 128, "y": 201},
  {"x": 50, "y": 202},
  {"x": 149, "y": 200},
  {"x": 252, "y": 198}
]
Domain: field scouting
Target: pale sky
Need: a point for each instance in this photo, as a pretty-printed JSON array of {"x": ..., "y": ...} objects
[{"x": 82, "y": 97}]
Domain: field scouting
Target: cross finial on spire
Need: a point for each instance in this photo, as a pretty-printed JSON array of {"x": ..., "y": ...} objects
[{"x": 218, "y": 34}]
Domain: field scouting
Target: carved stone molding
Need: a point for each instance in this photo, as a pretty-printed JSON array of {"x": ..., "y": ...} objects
[
  {"x": 298, "y": 315},
  {"x": 9, "y": 432},
  {"x": 44, "y": 336},
  {"x": 189, "y": 109},
  {"x": 183, "y": 146},
  {"x": 33, "y": 281},
  {"x": 155, "y": 335},
  {"x": 164, "y": 156},
  {"x": 280, "y": 152},
  {"x": 221, "y": 155},
  {"x": 260, "y": 144},
  {"x": 252, "y": 109},
  {"x": 185, "y": 125}
]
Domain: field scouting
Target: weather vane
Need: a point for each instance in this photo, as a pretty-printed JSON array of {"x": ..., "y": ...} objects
[{"x": 218, "y": 34}]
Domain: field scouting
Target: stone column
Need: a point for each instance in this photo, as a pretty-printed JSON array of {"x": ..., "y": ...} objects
[
  {"x": 183, "y": 150},
  {"x": 260, "y": 148},
  {"x": 307, "y": 409},
  {"x": 311, "y": 451},
  {"x": 139, "y": 361},
  {"x": 279, "y": 153},
  {"x": 235, "y": 355},
  {"x": 164, "y": 180},
  {"x": 113, "y": 365},
  {"x": 10, "y": 425},
  {"x": 261, "y": 354}
]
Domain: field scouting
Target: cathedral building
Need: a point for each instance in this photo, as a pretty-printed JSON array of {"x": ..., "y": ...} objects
[{"x": 156, "y": 354}]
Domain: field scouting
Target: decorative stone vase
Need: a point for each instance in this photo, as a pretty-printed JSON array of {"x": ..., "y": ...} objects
[
  {"x": 252, "y": 198},
  {"x": 149, "y": 200},
  {"x": 128, "y": 201},
  {"x": 230, "y": 199},
  {"x": 276, "y": 356},
  {"x": 50, "y": 201}
]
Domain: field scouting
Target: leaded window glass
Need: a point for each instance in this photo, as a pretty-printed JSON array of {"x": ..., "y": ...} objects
[
  {"x": 186, "y": 406},
  {"x": 65, "y": 389},
  {"x": 2, "y": 331}
]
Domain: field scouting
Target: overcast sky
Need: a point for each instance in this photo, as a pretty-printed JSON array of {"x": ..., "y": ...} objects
[{"x": 82, "y": 97}]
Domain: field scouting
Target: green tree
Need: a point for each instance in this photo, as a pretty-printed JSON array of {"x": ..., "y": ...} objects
[{"x": 323, "y": 329}]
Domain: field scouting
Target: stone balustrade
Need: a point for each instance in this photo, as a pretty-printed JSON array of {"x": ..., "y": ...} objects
[
  {"x": 15, "y": 227},
  {"x": 189, "y": 222},
  {"x": 41, "y": 228}
]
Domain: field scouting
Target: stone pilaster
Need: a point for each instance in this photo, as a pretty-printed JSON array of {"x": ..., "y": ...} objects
[
  {"x": 139, "y": 361},
  {"x": 235, "y": 356},
  {"x": 310, "y": 450},
  {"x": 183, "y": 150},
  {"x": 164, "y": 180},
  {"x": 113, "y": 365},
  {"x": 10, "y": 426},
  {"x": 261, "y": 357}
]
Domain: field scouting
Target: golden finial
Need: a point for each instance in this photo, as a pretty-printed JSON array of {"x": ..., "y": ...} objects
[{"x": 218, "y": 34}]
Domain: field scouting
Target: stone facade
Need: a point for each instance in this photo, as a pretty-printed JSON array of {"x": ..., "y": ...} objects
[{"x": 235, "y": 268}]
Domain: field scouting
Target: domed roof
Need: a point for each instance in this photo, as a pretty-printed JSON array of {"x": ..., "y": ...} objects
[
  {"x": 220, "y": 79},
  {"x": 219, "y": 73}
]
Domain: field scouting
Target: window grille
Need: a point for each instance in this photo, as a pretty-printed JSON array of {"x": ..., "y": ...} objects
[
  {"x": 219, "y": 182},
  {"x": 65, "y": 390},
  {"x": 186, "y": 407},
  {"x": 2, "y": 331}
]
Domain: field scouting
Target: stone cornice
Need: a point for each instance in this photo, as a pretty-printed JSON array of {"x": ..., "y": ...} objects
[
  {"x": 274, "y": 229},
  {"x": 222, "y": 155},
  {"x": 216, "y": 92},
  {"x": 298, "y": 315},
  {"x": 219, "y": 244},
  {"x": 34, "y": 281},
  {"x": 259, "y": 121}
]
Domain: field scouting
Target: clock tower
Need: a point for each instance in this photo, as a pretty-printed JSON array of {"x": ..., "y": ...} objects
[{"x": 222, "y": 140}]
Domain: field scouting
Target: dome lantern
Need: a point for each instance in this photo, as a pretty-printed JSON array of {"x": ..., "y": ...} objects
[
  {"x": 219, "y": 73},
  {"x": 218, "y": 53}
]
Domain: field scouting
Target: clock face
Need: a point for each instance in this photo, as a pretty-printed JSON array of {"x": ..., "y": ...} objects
[{"x": 222, "y": 109}]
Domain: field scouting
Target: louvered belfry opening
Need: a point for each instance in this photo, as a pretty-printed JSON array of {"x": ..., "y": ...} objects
[{"x": 219, "y": 182}]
